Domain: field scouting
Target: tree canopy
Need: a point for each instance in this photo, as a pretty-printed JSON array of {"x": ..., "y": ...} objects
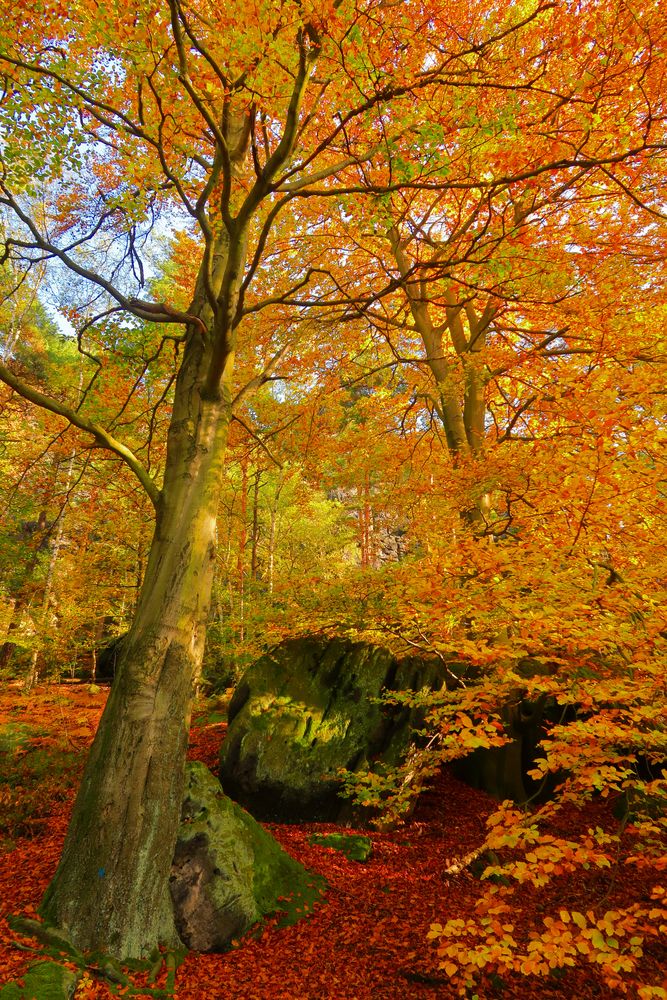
[{"x": 364, "y": 293}]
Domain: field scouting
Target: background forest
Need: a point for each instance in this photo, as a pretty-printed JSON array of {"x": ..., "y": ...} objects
[
  {"x": 341, "y": 507},
  {"x": 447, "y": 417}
]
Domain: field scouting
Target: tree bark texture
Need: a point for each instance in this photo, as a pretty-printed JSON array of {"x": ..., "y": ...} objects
[{"x": 111, "y": 888}]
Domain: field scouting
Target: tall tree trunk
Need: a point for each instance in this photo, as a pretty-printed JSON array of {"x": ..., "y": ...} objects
[
  {"x": 461, "y": 407},
  {"x": 56, "y": 545},
  {"x": 368, "y": 521},
  {"x": 111, "y": 888},
  {"x": 7, "y": 646},
  {"x": 254, "y": 559},
  {"x": 272, "y": 546},
  {"x": 243, "y": 541},
  {"x": 273, "y": 529}
]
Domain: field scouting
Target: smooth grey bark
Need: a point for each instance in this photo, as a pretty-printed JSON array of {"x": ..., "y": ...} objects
[
  {"x": 111, "y": 887},
  {"x": 460, "y": 381}
]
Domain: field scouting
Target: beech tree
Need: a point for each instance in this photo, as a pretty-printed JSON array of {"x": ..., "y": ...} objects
[
  {"x": 482, "y": 283},
  {"x": 260, "y": 135}
]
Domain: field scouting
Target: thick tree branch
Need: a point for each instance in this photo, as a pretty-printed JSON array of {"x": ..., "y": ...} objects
[
  {"x": 101, "y": 436},
  {"x": 152, "y": 311}
]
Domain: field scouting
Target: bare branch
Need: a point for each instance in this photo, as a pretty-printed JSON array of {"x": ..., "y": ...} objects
[{"x": 258, "y": 439}]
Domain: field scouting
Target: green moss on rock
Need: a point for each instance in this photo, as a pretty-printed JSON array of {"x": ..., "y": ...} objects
[
  {"x": 299, "y": 715},
  {"x": 228, "y": 872},
  {"x": 354, "y": 846},
  {"x": 43, "y": 981}
]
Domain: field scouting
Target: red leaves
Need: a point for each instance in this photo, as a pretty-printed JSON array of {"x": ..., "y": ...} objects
[{"x": 368, "y": 939}]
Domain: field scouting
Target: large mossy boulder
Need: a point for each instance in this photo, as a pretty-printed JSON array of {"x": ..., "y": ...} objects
[
  {"x": 107, "y": 659},
  {"x": 503, "y": 772},
  {"x": 304, "y": 711},
  {"x": 228, "y": 872},
  {"x": 314, "y": 705}
]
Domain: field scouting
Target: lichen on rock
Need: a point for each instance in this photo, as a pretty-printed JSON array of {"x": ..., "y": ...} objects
[
  {"x": 307, "y": 709},
  {"x": 228, "y": 872}
]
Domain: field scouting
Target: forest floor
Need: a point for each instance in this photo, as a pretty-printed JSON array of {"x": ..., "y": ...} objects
[{"x": 367, "y": 941}]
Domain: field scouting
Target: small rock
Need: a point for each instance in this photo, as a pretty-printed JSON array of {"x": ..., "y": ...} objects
[{"x": 354, "y": 846}]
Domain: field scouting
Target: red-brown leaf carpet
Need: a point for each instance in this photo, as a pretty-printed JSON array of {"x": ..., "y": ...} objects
[{"x": 366, "y": 941}]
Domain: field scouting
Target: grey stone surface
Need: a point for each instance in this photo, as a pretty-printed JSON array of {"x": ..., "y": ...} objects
[
  {"x": 304, "y": 711},
  {"x": 228, "y": 872}
]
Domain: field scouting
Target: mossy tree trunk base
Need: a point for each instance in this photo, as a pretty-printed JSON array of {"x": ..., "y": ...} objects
[{"x": 111, "y": 889}]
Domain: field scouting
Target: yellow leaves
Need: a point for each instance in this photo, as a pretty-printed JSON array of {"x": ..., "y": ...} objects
[
  {"x": 597, "y": 939},
  {"x": 612, "y": 942},
  {"x": 532, "y": 965}
]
